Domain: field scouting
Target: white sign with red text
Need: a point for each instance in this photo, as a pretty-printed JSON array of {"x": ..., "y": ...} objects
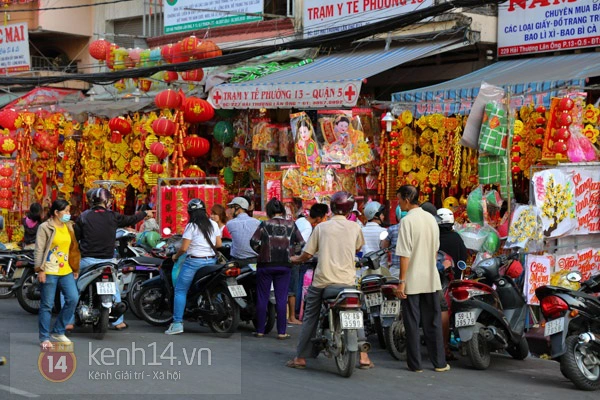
[
  {"x": 535, "y": 26},
  {"x": 286, "y": 95},
  {"x": 321, "y": 17},
  {"x": 14, "y": 48}
]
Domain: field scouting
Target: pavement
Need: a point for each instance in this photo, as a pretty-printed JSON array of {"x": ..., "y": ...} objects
[{"x": 143, "y": 363}]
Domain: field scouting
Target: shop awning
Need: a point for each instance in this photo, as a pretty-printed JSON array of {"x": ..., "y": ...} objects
[
  {"x": 532, "y": 80},
  {"x": 330, "y": 81},
  {"x": 42, "y": 97}
]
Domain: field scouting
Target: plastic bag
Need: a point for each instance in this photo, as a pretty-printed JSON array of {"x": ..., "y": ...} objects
[
  {"x": 474, "y": 207},
  {"x": 177, "y": 268},
  {"x": 472, "y": 235},
  {"x": 487, "y": 93}
]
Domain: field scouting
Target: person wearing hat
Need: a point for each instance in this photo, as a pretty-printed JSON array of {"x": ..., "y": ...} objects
[
  {"x": 372, "y": 230},
  {"x": 355, "y": 215},
  {"x": 241, "y": 228}
]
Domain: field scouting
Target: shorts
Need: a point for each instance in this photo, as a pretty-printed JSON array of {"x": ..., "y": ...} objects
[
  {"x": 443, "y": 302},
  {"x": 294, "y": 278}
]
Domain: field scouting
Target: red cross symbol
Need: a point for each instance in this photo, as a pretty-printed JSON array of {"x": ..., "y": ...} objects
[
  {"x": 217, "y": 96},
  {"x": 350, "y": 92}
]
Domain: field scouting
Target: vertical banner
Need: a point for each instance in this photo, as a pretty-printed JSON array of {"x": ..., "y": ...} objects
[
  {"x": 273, "y": 185},
  {"x": 538, "y": 269},
  {"x": 587, "y": 200},
  {"x": 174, "y": 200}
]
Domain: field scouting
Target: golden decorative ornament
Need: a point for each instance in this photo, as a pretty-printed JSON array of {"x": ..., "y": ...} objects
[
  {"x": 518, "y": 127},
  {"x": 406, "y": 165},
  {"x": 150, "y": 139},
  {"x": 150, "y": 159},
  {"x": 436, "y": 121},
  {"x": 434, "y": 177},
  {"x": 406, "y": 117},
  {"x": 406, "y": 149}
]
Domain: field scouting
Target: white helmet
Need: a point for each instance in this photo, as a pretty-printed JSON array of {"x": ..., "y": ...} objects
[
  {"x": 372, "y": 209},
  {"x": 446, "y": 216}
]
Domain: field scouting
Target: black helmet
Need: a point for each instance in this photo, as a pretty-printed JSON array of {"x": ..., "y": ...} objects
[
  {"x": 98, "y": 196},
  {"x": 342, "y": 203},
  {"x": 196, "y": 204}
]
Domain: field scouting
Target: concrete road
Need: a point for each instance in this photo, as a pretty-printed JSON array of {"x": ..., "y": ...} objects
[{"x": 197, "y": 365}]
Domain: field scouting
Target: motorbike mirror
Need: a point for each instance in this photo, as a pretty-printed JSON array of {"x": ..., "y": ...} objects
[
  {"x": 461, "y": 265},
  {"x": 574, "y": 276},
  {"x": 383, "y": 235},
  {"x": 167, "y": 231}
]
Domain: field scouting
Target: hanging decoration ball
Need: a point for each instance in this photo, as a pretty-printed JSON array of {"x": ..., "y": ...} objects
[
  {"x": 45, "y": 140},
  {"x": 564, "y": 119},
  {"x": 393, "y": 152},
  {"x": 394, "y": 143},
  {"x": 223, "y": 132},
  {"x": 164, "y": 127},
  {"x": 540, "y": 120},
  {"x": 227, "y": 152},
  {"x": 6, "y": 194},
  {"x": 194, "y": 171},
  {"x": 157, "y": 168},
  {"x": 516, "y": 169},
  {"x": 561, "y": 134},
  {"x": 6, "y": 171},
  {"x": 194, "y": 75},
  {"x": 228, "y": 175},
  {"x": 167, "y": 53},
  {"x": 393, "y": 134},
  {"x": 207, "y": 49},
  {"x": 98, "y": 48},
  {"x": 516, "y": 149},
  {"x": 566, "y": 104},
  {"x": 8, "y": 118},
  {"x": 8, "y": 144},
  {"x": 540, "y": 130},
  {"x": 6, "y": 183},
  {"x": 170, "y": 76},
  {"x": 145, "y": 85},
  {"x": 188, "y": 45},
  {"x": 517, "y": 139},
  {"x": 516, "y": 159},
  {"x": 394, "y": 161},
  {"x": 196, "y": 110},
  {"x": 167, "y": 99},
  {"x": 541, "y": 109},
  {"x": 120, "y": 124},
  {"x": 560, "y": 147},
  {"x": 159, "y": 150},
  {"x": 539, "y": 141},
  {"x": 6, "y": 203},
  {"x": 195, "y": 146}
]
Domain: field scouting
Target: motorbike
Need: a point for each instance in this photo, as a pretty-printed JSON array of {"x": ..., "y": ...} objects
[
  {"x": 132, "y": 273},
  {"x": 247, "y": 278},
  {"x": 10, "y": 271},
  {"x": 573, "y": 325},
  {"x": 489, "y": 310},
  {"x": 27, "y": 288},
  {"x": 126, "y": 245},
  {"x": 97, "y": 285},
  {"x": 214, "y": 297}
]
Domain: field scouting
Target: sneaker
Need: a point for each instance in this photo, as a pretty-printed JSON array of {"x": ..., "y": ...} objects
[
  {"x": 60, "y": 338},
  {"x": 175, "y": 328},
  {"x": 443, "y": 369}
]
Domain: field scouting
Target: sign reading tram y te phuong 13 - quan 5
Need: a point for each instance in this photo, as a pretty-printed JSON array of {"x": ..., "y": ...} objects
[{"x": 535, "y": 26}]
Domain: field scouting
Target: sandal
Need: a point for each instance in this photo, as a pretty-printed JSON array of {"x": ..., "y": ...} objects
[
  {"x": 69, "y": 328},
  {"x": 258, "y": 335},
  {"x": 366, "y": 366},
  {"x": 114, "y": 328},
  {"x": 285, "y": 336},
  {"x": 294, "y": 364},
  {"x": 47, "y": 345}
]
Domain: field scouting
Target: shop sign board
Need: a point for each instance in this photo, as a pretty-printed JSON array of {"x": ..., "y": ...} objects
[
  {"x": 322, "y": 17},
  {"x": 286, "y": 95},
  {"x": 189, "y": 15},
  {"x": 14, "y": 48},
  {"x": 536, "y": 26}
]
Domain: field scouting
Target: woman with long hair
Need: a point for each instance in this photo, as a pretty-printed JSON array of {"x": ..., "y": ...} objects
[
  {"x": 31, "y": 223},
  {"x": 218, "y": 214},
  {"x": 57, "y": 263},
  {"x": 201, "y": 238}
]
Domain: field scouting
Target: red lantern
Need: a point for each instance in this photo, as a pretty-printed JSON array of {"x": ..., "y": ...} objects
[
  {"x": 159, "y": 150},
  {"x": 170, "y": 76},
  {"x": 6, "y": 194},
  {"x": 566, "y": 104},
  {"x": 6, "y": 203},
  {"x": 8, "y": 144},
  {"x": 540, "y": 130},
  {"x": 145, "y": 85},
  {"x": 119, "y": 124},
  {"x": 393, "y": 161},
  {"x": 6, "y": 183},
  {"x": 178, "y": 55},
  {"x": 45, "y": 141},
  {"x": 164, "y": 127},
  {"x": 516, "y": 159},
  {"x": 207, "y": 49},
  {"x": 564, "y": 119},
  {"x": 6, "y": 171},
  {"x": 195, "y": 146},
  {"x": 167, "y": 53},
  {"x": 98, "y": 49},
  {"x": 394, "y": 143},
  {"x": 188, "y": 45},
  {"x": 194, "y": 75},
  {"x": 517, "y": 139},
  {"x": 157, "y": 168},
  {"x": 560, "y": 147},
  {"x": 561, "y": 134},
  {"x": 516, "y": 169},
  {"x": 194, "y": 171},
  {"x": 8, "y": 117},
  {"x": 197, "y": 110},
  {"x": 167, "y": 99},
  {"x": 541, "y": 109}
]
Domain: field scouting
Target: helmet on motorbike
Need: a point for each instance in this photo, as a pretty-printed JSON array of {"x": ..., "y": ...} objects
[
  {"x": 447, "y": 216},
  {"x": 98, "y": 196},
  {"x": 152, "y": 238},
  {"x": 372, "y": 209},
  {"x": 342, "y": 203},
  {"x": 400, "y": 214},
  {"x": 195, "y": 204}
]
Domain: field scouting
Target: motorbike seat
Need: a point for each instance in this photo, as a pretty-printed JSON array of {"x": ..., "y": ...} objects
[
  {"x": 390, "y": 280},
  {"x": 206, "y": 270},
  {"x": 331, "y": 292},
  {"x": 147, "y": 261}
]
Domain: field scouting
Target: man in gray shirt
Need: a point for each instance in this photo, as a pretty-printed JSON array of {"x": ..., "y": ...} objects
[{"x": 241, "y": 228}]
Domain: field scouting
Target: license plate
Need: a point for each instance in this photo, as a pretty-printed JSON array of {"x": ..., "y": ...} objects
[
  {"x": 106, "y": 288},
  {"x": 390, "y": 308},
  {"x": 351, "y": 319},
  {"x": 554, "y": 326},
  {"x": 464, "y": 319},
  {"x": 373, "y": 299},
  {"x": 18, "y": 273},
  {"x": 237, "y": 290}
]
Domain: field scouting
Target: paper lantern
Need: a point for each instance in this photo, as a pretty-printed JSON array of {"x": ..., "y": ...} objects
[
  {"x": 6, "y": 203},
  {"x": 197, "y": 110},
  {"x": 6, "y": 171},
  {"x": 188, "y": 45},
  {"x": 110, "y": 55},
  {"x": 194, "y": 75},
  {"x": 144, "y": 85},
  {"x": 98, "y": 49},
  {"x": 167, "y": 99},
  {"x": 195, "y": 146},
  {"x": 169, "y": 76},
  {"x": 228, "y": 175},
  {"x": 6, "y": 194},
  {"x": 194, "y": 171},
  {"x": 6, "y": 183},
  {"x": 227, "y": 152},
  {"x": 135, "y": 54},
  {"x": 207, "y": 49},
  {"x": 224, "y": 132},
  {"x": 8, "y": 144},
  {"x": 178, "y": 55},
  {"x": 45, "y": 141},
  {"x": 157, "y": 168},
  {"x": 8, "y": 118},
  {"x": 167, "y": 53},
  {"x": 566, "y": 104},
  {"x": 159, "y": 150},
  {"x": 164, "y": 127},
  {"x": 120, "y": 124}
]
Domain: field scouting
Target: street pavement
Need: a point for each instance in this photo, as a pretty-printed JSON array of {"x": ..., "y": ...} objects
[{"x": 243, "y": 367}]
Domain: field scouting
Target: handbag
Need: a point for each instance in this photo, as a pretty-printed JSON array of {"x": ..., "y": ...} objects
[{"x": 221, "y": 259}]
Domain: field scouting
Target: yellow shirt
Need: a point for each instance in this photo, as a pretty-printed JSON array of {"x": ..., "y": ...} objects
[{"x": 57, "y": 262}]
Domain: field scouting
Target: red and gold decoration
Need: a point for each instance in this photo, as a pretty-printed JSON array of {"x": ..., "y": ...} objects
[{"x": 557, "y": 131}]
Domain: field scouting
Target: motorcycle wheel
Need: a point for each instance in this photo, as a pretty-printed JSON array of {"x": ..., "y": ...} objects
[
  {"x": 25, "y": 291},
  {"x": 395, "y": 340},
  {"x": 520, "y": 351},
  {"x": 153, "y": 306},
  {"x": 225, "y": 323},
  {"x": 573, "y": 365},
  {"x": 101, "y": 327},
  {"x": 5, "y": 291},
  {"x": 346, "y": 360},
  {"x": 478, "y": 349},
  {"x": 270, "y": 322},
  {"x": 134, "y": 290},
  {"x": 379, "y": 331}
]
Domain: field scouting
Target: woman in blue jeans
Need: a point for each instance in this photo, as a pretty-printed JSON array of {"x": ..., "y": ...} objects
[
  {"x": 57, "y": 263},
  {"x": 201, "y": 237},
  {"x": 275, "y": 241}
]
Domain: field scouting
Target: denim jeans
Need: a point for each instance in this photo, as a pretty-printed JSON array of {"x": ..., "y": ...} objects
[
  {"x": 66, "y": 285},
  {"x": 184, "y": 281}
]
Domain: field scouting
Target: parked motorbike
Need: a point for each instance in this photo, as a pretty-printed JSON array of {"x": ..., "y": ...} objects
[
  {"x": 27, "y": 287},
  {"x": 573, "y": 325},
  {"x": 10, "y": 271},
  {"x": 97, "y": 285},
  {"x": 214, "y": 297},
  {"x": 126, "y": 245},
  {"x": 488, "y": 319},
  {"x": 247, "y": 278},
  {"x": 132, "y": 273}
]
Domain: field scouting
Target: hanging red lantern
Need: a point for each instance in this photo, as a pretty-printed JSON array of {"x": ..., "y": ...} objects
[
  {"x": 6, "y": 171},
  {"x": 195, "y": 146},
  {"x": 45, "y": 141},
  {"x": 145, "y": 85},
  {"x": 566, "y": 104},
  {"x": 6, "y": 203},
  {"x": 8, "y": 144},
  {"x": 98, "y": 48},
  {"x": 207, "y": 49},
  {"x": 157, "y": 168},
  {"x": 159, "y": 150},
  {"x": 6, "y": 194},
  {"x": 560, "y": 147},
  {"x": 197, "y": 110},
  {"x": 170, "y": 76},
  {"x": 188, "y": 45},
  {"x": 194, "y": 75},
  {"x": 564, "y": 119},
  {"x": 120, "y": 124},
  {"x": 164, "y": 127},
  {"x": 561, "y": 134},
  {"x": 6, "y": 183},
  {"x": 8, "y": 118},
  {"x": 194, "y": 171},
  {"x": 178, "y": 55},
  {"x": 167, "y": 99},
  {"x": 167, "y": 53},
  {"x": 516, "y": 169}
]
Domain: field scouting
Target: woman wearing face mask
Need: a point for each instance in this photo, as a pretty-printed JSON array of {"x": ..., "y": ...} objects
[
  {"x": 391, "y": 240},
  {"x": 57, "y": 263}
]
